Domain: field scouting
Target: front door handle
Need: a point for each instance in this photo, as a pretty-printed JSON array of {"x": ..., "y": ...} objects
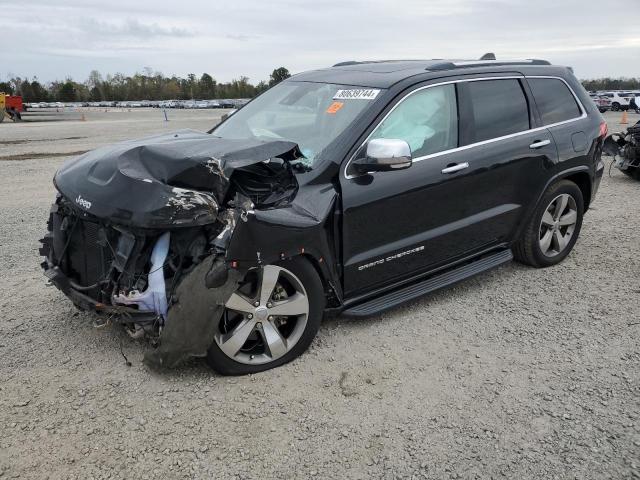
[
  {"x": 455, "y": 168},
  {"x": 539, "y": 144}
]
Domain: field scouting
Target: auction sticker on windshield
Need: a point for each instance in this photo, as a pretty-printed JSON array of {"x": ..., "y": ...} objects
[{"x": 356, "y": 94}]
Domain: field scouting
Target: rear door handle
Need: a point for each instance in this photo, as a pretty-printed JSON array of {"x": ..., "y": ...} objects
[
  {"x": 539, "y": 144},
  {"x": 455, "y": 168}
]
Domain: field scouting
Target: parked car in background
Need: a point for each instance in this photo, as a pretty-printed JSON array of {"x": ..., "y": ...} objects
[
  {"x": 619, "y": 100},
  {"x": 603, "y": 103},
  {"x": 227, "y": 103},
  {"x": 168, "y": 104}
]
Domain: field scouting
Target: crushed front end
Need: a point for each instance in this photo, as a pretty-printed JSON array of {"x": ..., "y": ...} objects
[
  {"x": 625, "y": 148},
  {"x": 139, "y": 231},
  {"x": 116, "y": 269}
]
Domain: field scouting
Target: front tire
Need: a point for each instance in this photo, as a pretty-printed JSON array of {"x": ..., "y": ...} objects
[
  {"x": 554, "y": 227},
  {"x": 271, "y": 319}
]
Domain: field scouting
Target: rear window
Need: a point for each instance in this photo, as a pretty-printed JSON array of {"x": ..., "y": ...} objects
[
  {"x": 499, "y": 108},
  {"x": 555, "y": 101}
]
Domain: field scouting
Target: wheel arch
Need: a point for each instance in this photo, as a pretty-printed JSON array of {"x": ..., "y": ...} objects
[
  {"x": 583, "y": 180},
  {"x": 332, "y": 290},
  {"x": 578, "y": 175}
]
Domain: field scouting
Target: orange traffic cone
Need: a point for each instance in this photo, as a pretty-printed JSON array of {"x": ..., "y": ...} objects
[{"x": 624, "y": 120}]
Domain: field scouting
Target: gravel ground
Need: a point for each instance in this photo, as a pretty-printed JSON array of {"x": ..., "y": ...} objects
[{"x": 517, "y": 373}]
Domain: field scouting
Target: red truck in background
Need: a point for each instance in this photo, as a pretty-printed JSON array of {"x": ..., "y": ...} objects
[{"x": 11, "y": 106}]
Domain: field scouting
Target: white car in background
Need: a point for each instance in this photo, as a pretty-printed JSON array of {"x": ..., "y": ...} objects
[{"x": 619, "y": 100}]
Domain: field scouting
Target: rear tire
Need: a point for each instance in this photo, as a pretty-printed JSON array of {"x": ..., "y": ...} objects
[
  {"x": 615, "y": 106},
  {"x": 294, "y": 278},
  {"x": 553, "y": 228}
]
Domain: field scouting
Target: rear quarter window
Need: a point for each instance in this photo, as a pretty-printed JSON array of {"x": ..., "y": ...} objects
[
  {"x": 499, "y": 108},
  {"x": 554, "y": 100}
]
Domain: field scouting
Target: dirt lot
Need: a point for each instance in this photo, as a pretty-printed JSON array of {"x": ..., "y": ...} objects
[{"x": 518, "y": 373}]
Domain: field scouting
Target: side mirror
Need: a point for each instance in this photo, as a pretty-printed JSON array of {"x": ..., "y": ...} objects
[{"x": 384, "y": 155}]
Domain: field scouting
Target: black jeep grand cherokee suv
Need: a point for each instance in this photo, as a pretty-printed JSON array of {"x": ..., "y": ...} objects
[{"x": 350, "y": 189}]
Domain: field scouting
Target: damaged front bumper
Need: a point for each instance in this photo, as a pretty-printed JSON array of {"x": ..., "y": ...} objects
[
  {"x": 169, "y": 284},
  {"x": 85, "y": 302}
]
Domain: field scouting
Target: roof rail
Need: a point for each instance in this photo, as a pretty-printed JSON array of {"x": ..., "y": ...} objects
[
  {"x": 442, "y": 66},
  {"x": 487, "y": 59},
  {"x": 482, "y": 63},
  {"x": 344, "y": 64},
  {"x": 366, "y": 62}
]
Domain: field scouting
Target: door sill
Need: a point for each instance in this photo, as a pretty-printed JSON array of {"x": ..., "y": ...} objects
[{"x": 435, "y": 282}]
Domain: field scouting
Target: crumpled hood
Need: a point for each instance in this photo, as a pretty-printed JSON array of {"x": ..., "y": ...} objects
[{"x": 168, "y": 180}]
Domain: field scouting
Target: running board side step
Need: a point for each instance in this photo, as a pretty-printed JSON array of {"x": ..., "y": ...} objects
[{"x": 431, "y": 284}]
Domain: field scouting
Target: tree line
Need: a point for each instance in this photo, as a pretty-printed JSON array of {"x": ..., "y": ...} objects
[
  {"x": 612, "y": 84},
  {"x": 151, "y": 85},
  {"x": 148, "y": 85}
]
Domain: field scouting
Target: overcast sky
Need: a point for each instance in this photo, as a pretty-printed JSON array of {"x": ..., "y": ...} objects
[{"x": 53, "y": 39}]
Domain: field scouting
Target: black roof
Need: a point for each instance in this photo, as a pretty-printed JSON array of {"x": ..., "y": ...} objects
[{"x": 384, "y": 73}]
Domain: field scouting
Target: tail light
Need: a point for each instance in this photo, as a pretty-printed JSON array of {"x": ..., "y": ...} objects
[{"x": 603, "y": 129}]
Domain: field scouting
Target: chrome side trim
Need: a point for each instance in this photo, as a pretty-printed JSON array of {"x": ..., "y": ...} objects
[{"x": 484, "y": 142}]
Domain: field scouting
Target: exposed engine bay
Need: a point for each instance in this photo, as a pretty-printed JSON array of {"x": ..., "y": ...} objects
[{"x": 142, "y": 231}]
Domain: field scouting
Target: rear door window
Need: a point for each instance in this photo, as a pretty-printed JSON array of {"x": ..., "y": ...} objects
[
  {"x": 499, "y": 108},
  {"x": 554, "y": 100}
]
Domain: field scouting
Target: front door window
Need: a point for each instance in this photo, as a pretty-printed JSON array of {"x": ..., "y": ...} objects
[{"x": 427, "y": 120}]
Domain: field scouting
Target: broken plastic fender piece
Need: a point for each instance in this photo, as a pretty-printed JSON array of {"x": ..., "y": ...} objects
[
  {"x": 191, "y": 322},
  {"x": 154, "y": 298}
]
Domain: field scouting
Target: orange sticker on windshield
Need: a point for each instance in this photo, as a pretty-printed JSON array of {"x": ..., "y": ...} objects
[{"x": 334, "y": 107}]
